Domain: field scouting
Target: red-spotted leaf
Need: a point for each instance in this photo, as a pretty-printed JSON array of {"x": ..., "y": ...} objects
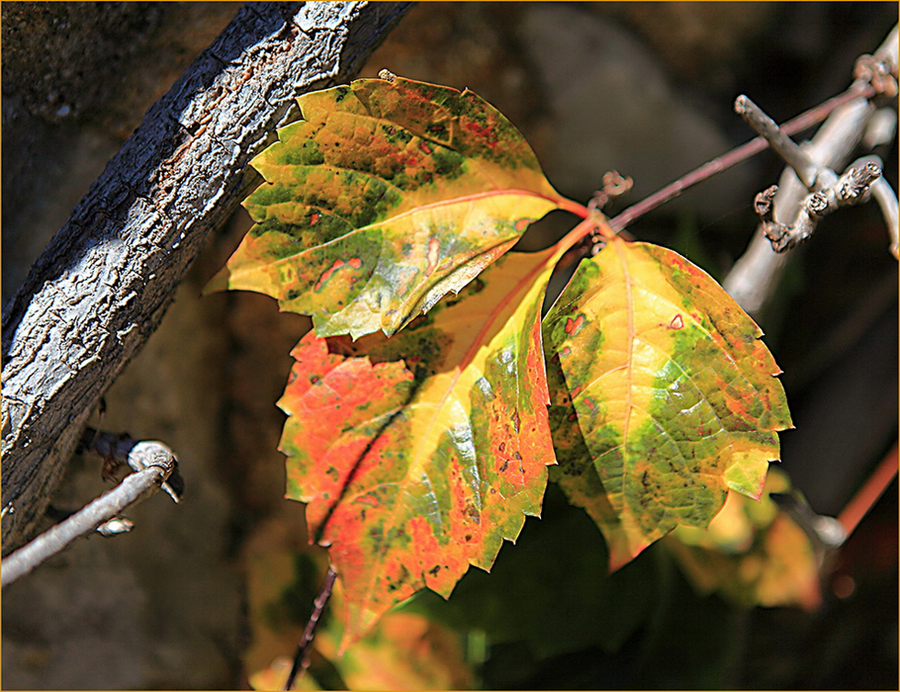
[
  {"x": 417, "y": 455},
  {"x": 386, "y": 197},
  {"x": 673, "y": 392}
]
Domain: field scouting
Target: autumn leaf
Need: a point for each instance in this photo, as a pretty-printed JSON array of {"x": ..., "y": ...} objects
[
  {"x": 405, "y": 651},
  {"x": 752, "y": 553},
  {"x": 672, "y": 389},
  {"x": 283, "y": 575},
  {"x": 575, "y": 472},
  {"x": 386, "y": 197},
  {"x": 417, "y": 455}
]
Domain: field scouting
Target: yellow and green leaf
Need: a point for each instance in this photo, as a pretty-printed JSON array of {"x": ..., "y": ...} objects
[
  {"x": 417, "y": 455},
  {"x": 673, "y": 393},
  {"x": 386, "y": 197}
]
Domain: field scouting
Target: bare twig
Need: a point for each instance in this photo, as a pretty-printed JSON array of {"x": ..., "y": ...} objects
[
  {"x": 887, "y": 201},
  {"x": 805, "y": 168},
  {"x": 300, "y": 657},
  {"x": 853, "y": 187},
  {"x": 157, "y": 463},
  {"x": 830, "y": 192}
]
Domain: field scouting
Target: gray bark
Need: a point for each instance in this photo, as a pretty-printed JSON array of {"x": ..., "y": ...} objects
[{"x": 103, "y": 284}]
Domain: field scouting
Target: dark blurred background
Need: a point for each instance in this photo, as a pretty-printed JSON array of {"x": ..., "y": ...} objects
[{"x": 643, "y": 88}]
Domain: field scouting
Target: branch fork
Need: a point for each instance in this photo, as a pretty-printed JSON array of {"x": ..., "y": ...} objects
[
  {"x": 828, "y": 192},
  {"x": 853, "y": 187},
  {"x": 881, "y": 74}
]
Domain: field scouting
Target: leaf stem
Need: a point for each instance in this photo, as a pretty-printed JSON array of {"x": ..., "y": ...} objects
[
  {"x": 300, "y": 658},
  {"x": 573, "y": 207}
]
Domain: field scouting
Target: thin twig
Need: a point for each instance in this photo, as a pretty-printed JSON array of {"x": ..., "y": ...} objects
[
  {"x": 887, "y": 201},
  {"x": 828, "y": 534},
  {"x": 778, "y": 140},
  {"x": 825, "y": 534},
  {"x": 722, "y": 163},
  {"x": 134, "y": 488},
  {"x": 301, "y": 661}
]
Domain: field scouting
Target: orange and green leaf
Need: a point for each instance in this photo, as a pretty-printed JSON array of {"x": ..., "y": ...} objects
[
  {"x": 417, "y": 455},
  {"x": 386, "y": 197},
  {"x": 673, "y": 392}
]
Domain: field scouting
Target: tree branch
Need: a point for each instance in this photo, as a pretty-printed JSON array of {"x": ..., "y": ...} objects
[
  {"x": 754, "y": 277},
  {"x": 802, "y": 122},
  {"x": 103, "y": 284}
]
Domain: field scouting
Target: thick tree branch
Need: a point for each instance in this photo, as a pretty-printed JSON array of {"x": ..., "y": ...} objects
[{"x": 104, "y": 282}]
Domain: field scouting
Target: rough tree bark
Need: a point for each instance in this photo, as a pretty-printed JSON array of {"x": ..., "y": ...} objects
[{"x": 103, "y": 284}]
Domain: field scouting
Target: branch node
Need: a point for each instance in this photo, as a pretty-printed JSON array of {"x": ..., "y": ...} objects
[
  {"x": 115, "y": 526},
  {"x": 853, "y": 187},
  {"x": 777, "y": 233},
  {"x": 149, "y": 453},
  {"x": 119, "y": 449},
  {"x": 763, "y": 204},
  {"x": 877, "y": 73},
  {"x": 818, "y": 204}
]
